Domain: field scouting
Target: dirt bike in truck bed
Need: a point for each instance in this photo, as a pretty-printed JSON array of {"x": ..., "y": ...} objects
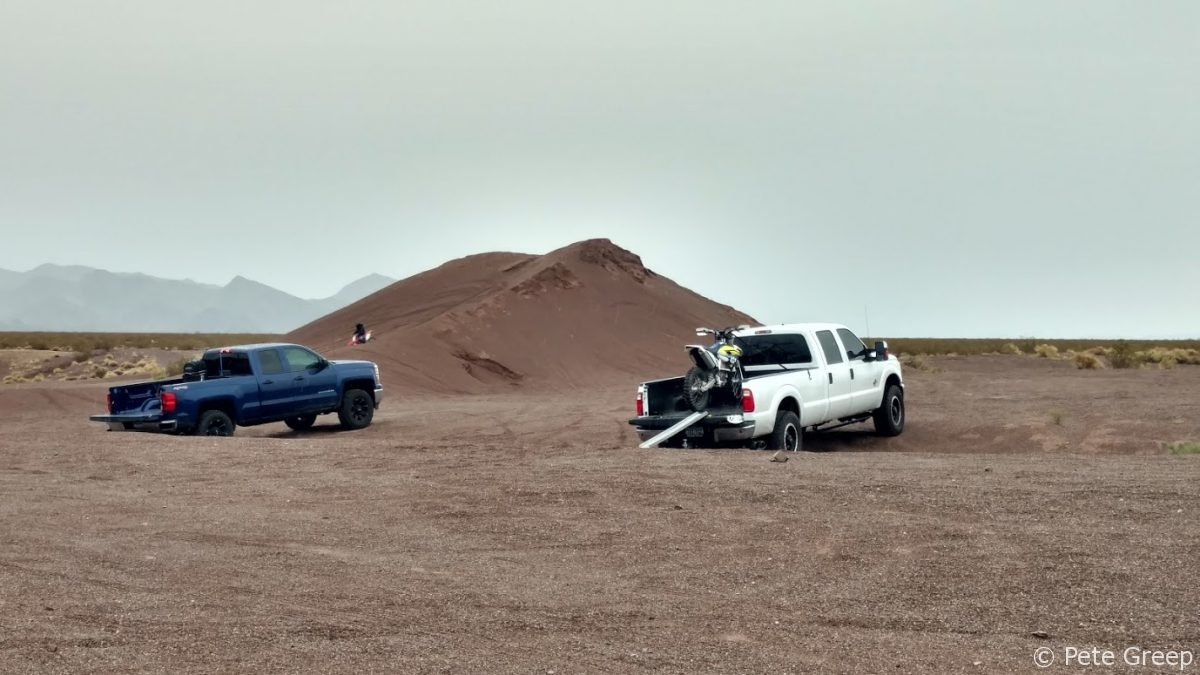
[
  {"x": 249, "y": 385},
  {"x": 794, "y": 377}
]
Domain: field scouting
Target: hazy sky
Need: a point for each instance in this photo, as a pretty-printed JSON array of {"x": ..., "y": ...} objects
[{"x": 954, "y": 168}]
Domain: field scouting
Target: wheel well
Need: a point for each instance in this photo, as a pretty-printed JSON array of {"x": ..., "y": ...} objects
[
  {"x": 223, "y": 404},
  {"x": 789, "y": 403},
  {"x": 892, "y": 379},
  {"x": 366, "y": 385}
]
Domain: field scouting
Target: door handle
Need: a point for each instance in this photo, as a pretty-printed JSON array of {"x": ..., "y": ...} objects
[
  {"x": 830, "y": 378},
  {"x": 268, "y": 381},
  {"x": 299, "y": 377},
  {"x": 852, "y": 373}
]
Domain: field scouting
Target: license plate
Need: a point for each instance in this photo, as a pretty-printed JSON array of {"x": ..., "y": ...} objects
[{"x": 695, "y": 432}]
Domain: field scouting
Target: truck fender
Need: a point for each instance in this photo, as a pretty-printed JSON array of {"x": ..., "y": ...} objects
[
  {"x": 890, "y": 374},
  {"x": 783, "y": 393}
]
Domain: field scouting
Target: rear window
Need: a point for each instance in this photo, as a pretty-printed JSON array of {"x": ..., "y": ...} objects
[
  {"x": 233, "y": 364},
  {"x": 773, "y": 350}
]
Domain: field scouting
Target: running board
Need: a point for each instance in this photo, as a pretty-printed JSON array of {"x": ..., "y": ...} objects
[{"x": 678, "y": 427}]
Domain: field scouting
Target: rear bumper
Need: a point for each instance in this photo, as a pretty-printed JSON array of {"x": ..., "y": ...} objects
[
  {"x": 378, "y": 395},
  {"x": 136, "y": 422},
  {"x": 721, "y": 426}
]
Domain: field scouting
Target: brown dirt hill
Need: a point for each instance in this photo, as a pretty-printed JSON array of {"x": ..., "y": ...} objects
[{"x": 584, "y": 315}]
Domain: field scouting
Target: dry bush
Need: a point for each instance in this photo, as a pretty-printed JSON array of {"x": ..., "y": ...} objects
[
  {"x": 1167, "y": 363},
  {"x": 1046, "y": 351},
  {"x": 1086, "y": 361},
  {"x": 1123, "y": 356},
  {"x": 1184, "y": 448},
  {"x": 1010, "y": 348},
  {"x": 1161, "y": 355}
]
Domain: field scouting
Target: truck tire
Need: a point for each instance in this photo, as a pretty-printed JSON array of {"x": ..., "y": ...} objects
[
  {"x": 889, "y": 417},
  {"x": 696, "y": 400},
  {"x": 787, "y": 434},
  {"x": 301, "y": 422},
  {"x": 214, "y": 423},
  {"x": 357, "y": 409}
]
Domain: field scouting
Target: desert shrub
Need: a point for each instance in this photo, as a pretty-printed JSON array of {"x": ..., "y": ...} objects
[
  {"x": 13, "y": 378},
  {"x": 1162, "y": 355},
  {"x": 99, "y": 371},
  {"x": 1010, "y": 348},
  {"x": 1124, "y": 356},
  {"x": 1100, "y": 351},
  {"x": 1046, "y": 351},
  {"x": 1183, "y": 448},
  {"x": 1056, "y": 417},
  {"x": 175, "y": 368},
  {"x": 1086, "y": 361},
  {"x": 914, "y": 361}
]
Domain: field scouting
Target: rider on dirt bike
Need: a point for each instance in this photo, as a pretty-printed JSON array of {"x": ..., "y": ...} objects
[{"x": 360, "y": 333}]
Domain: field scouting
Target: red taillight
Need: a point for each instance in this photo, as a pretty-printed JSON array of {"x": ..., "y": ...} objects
[
  {"x": 108, "y": 401},
  {"x": 640, "y": 406},
  {"x": 168, "y": 402},
  {"x": 747, "y": 400}
]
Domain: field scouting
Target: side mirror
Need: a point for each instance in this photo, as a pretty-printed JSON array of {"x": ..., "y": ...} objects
[{"x": 881, "y": 350}]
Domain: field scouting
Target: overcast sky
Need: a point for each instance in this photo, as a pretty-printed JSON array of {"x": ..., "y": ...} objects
[{"x": 949, "y": 168}]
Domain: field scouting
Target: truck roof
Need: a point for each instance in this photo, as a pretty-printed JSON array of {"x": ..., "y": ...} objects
[
  {"x": 252, "y": 347},
  {"x": 791, "y": 328}
]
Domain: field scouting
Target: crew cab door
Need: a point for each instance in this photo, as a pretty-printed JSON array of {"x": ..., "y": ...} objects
[
  {"x": 275, "y": 384},
  {"x": 316, "y": 386},
  {"x": 837, "y": 375},
  {"x": 866, "y": 392}
]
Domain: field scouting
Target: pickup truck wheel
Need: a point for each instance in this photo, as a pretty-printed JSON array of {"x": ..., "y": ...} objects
[
  {"x": 693, "y": 391},
  {"x": 214, "y": 423},
  {"x": 300, "y": 422},
  {"x": 889, "y": 417},
  {"x": 787, "y": 434},
  {"x": 357, "y": 409}
]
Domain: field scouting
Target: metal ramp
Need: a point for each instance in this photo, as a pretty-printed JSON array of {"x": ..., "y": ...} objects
[{"x": 678, "y": 427}]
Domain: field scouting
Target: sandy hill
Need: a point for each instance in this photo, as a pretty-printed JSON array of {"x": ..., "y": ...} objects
[{"x": 586, "y": 314}]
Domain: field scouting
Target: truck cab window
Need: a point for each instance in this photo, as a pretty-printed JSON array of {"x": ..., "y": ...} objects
[
  {"x": 855, "y": 349},
  {"x": 227, "y": 365},
  {"x": 299, "y": 359},
  {"x": 830, "y": 346},
  {"x": 771, "y": 350},
  {"x": 271, "y": 363}
]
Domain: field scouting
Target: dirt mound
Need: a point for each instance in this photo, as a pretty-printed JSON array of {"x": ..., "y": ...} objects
[{"x": 584, "y": 315}]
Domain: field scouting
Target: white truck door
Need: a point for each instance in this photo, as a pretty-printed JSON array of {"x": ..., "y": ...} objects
[
  {"x": 837, "y": 374},
  {"x": 864, "y": 375}
]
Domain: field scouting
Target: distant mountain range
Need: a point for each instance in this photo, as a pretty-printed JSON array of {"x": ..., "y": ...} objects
[{"x": 76, "y": 298}]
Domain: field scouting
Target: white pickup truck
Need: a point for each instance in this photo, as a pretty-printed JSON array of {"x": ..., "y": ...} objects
[{"x": 796, "y": 376}]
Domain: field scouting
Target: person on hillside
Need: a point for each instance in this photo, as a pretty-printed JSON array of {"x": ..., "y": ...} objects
[{"x": 360, "y": 333}]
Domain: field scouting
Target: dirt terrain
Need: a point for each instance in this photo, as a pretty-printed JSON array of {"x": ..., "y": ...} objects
[{"x": 1028, "y": 504}]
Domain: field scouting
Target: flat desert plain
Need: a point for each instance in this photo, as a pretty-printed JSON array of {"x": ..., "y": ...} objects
[{"x": 1027, "y": 505}]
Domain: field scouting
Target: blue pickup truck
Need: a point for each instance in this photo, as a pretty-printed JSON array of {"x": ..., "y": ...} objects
[{"x": 248, "y": 385}]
